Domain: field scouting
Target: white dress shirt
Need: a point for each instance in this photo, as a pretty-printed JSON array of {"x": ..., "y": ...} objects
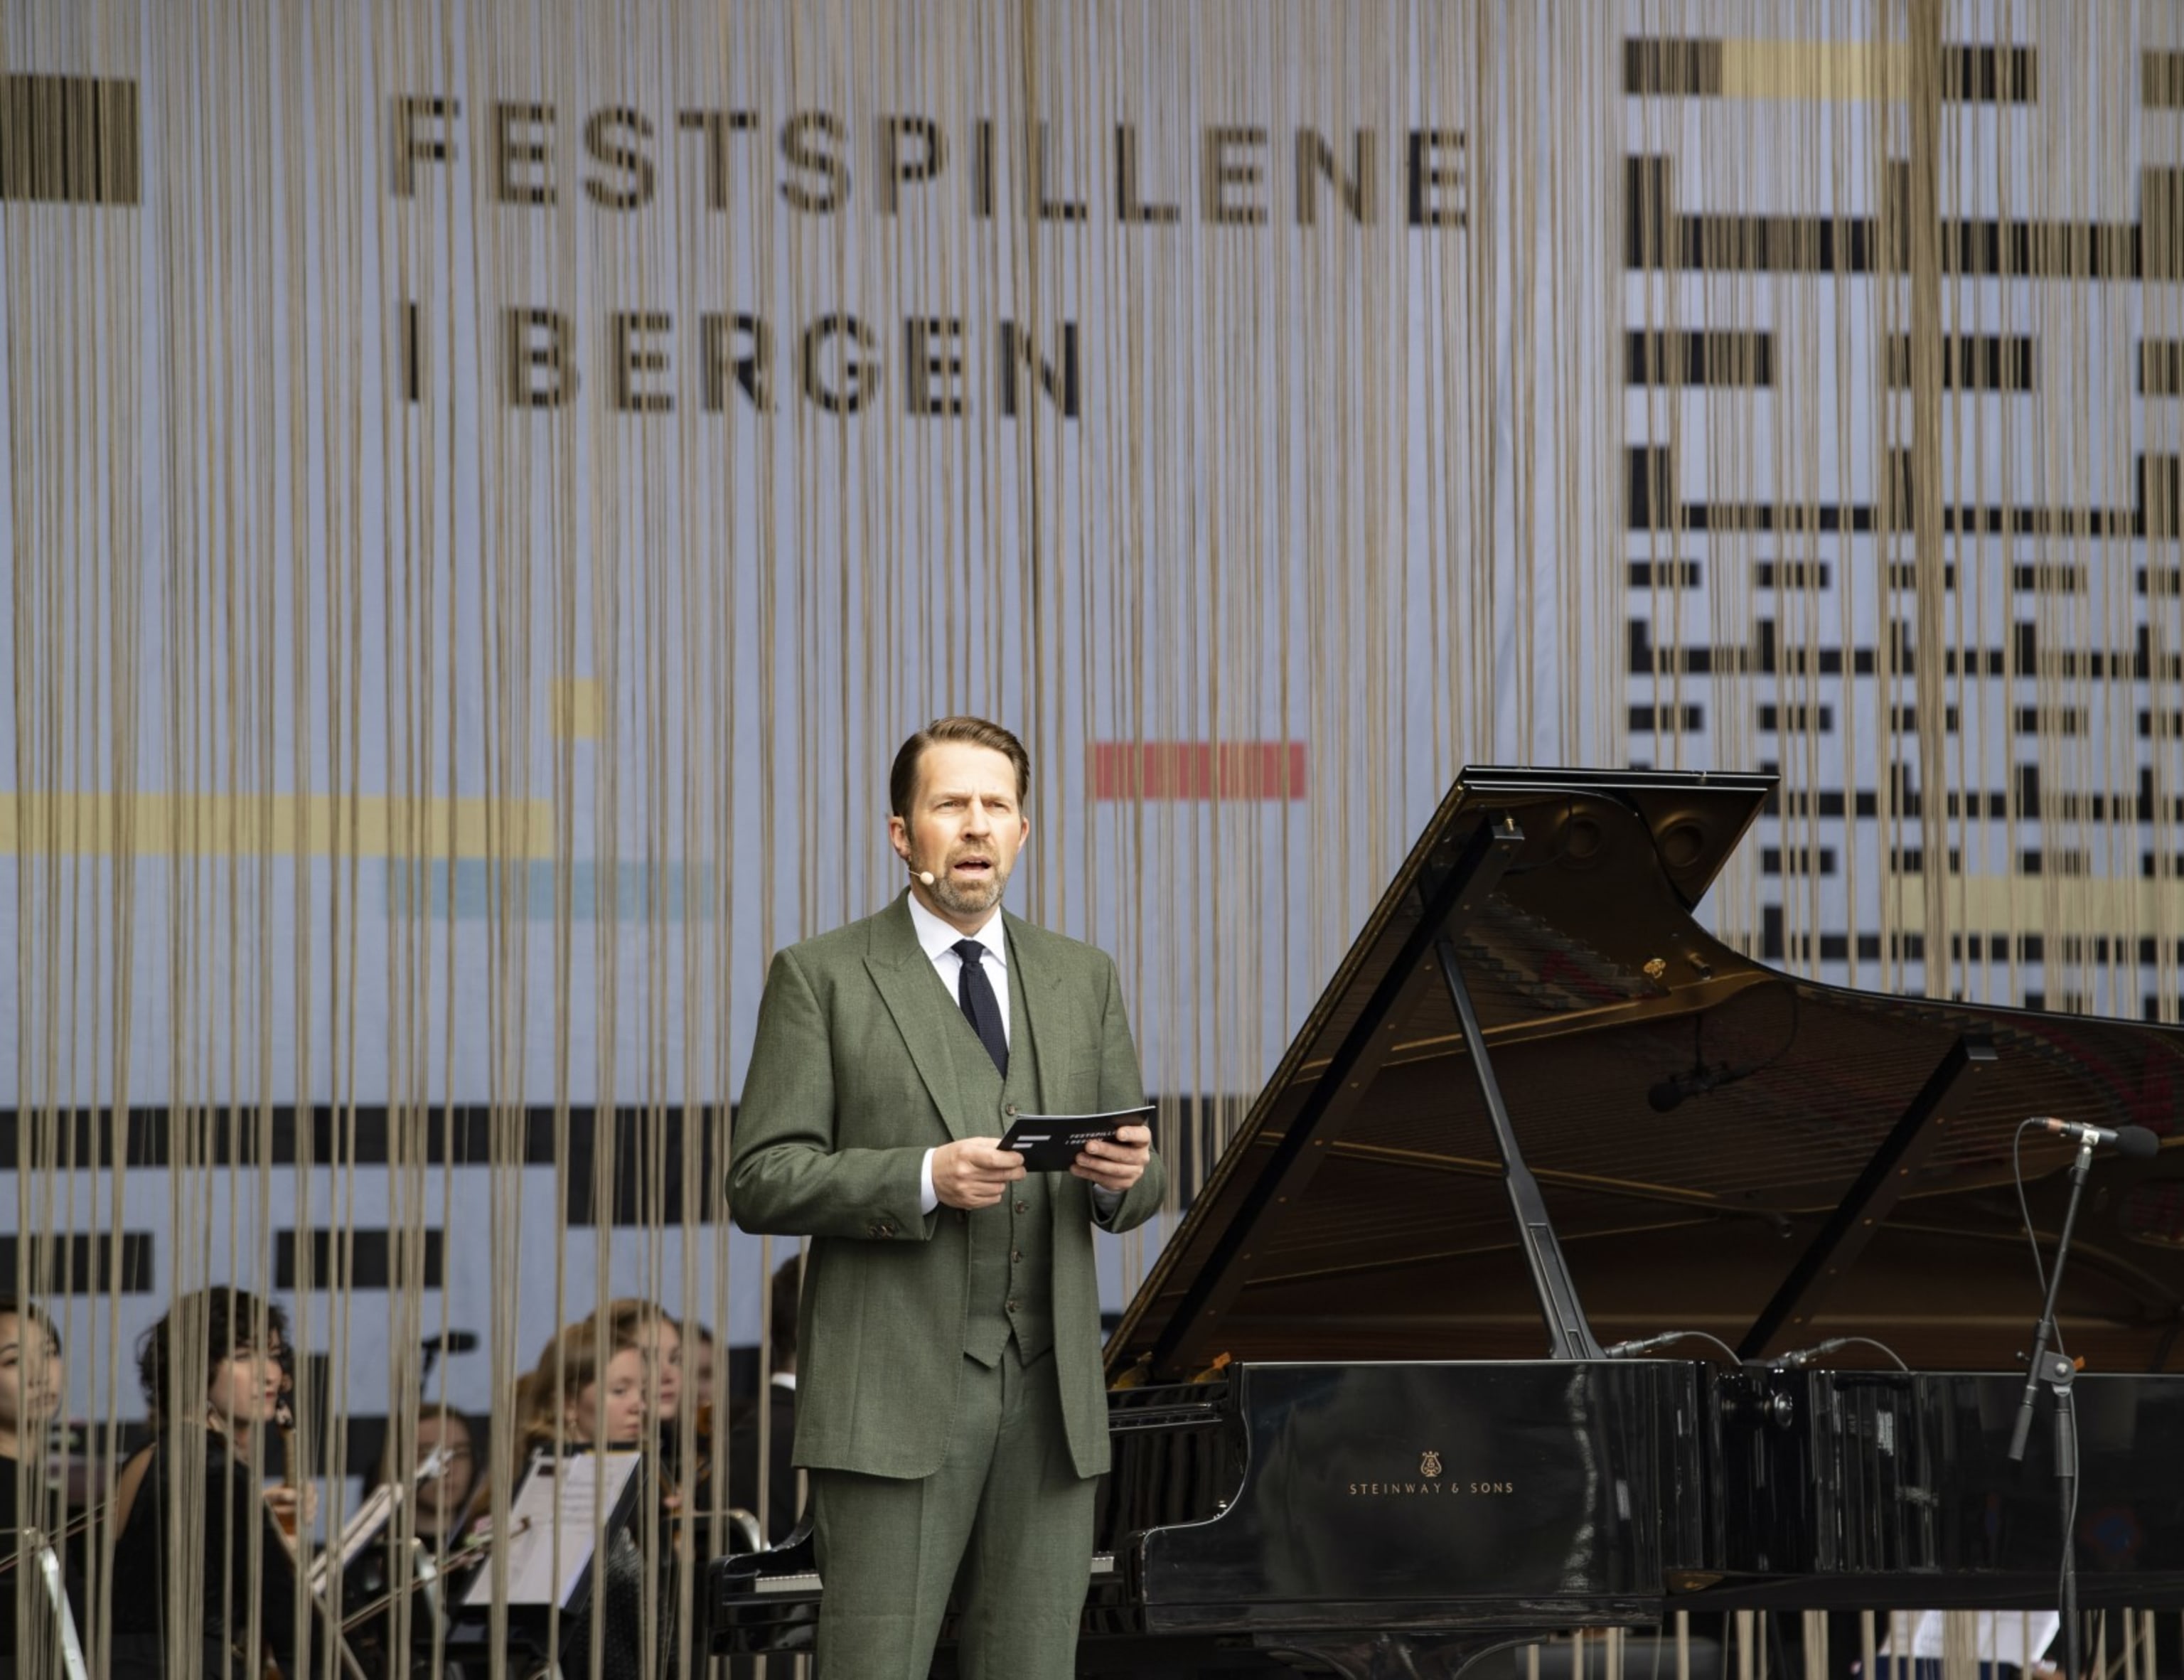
[{"x": 937, "y": 939}]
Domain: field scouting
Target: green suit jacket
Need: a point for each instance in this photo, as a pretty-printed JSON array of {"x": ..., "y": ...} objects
[{"x": 852, "y": 1079}]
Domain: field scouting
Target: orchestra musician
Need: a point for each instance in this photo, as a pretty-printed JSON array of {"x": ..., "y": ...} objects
[
  {"x": 633, "y": 1323},
  {"x": 31, "y": 1384},
  {"x": 644, "y": 1326},
  {"x": 587, "y": 1393},
  {"x": 197, "y": 1542},
  {"x": 440, "y": 1520},
  {"x": 441, "y": 1505}
]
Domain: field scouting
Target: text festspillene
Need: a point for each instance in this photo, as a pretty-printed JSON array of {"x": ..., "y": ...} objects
[{"x": 532, "y": 153}]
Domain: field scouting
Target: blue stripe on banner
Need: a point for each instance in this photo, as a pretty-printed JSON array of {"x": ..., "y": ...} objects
[{"x": 472, "y": 885}]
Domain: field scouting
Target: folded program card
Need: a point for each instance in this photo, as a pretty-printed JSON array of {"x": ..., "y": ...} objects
[{"x": 1050, "y": 1143}]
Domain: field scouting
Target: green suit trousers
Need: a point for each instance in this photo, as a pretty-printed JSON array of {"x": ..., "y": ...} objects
[{"x": 1007, "y": 1520}]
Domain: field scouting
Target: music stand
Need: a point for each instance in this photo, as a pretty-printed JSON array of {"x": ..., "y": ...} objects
[{"x": 563, "y": 1510}]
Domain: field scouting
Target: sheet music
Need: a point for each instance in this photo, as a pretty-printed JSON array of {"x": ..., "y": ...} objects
[{"x": 568, "y": 1497}]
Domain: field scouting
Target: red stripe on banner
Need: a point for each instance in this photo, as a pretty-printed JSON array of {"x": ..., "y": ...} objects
[{"x": 1144, "y": 770}]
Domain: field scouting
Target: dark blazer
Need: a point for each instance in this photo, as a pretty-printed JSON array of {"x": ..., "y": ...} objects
[
  {"x": 853, "y": 1078},
  {"x": 781, "y": 1512},
  {"x": 24, "y": 1567}
]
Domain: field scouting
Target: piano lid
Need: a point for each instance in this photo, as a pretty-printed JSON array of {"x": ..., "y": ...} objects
[{"x": 1720, "y": 1146}]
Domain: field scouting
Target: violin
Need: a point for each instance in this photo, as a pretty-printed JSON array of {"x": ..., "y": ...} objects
[{"x": 286, "y": 1514}]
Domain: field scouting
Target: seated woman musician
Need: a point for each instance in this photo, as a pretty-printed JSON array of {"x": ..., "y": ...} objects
[
  {"x": 633, "y": 1323},
  {"x": 441, "y": 1505},
  {"x": 437, "y": 1523},
  {"x": 197, "y": 1540},
  {"x": 586, "y": 1392},
  {"x": 31, "y": 1383}
]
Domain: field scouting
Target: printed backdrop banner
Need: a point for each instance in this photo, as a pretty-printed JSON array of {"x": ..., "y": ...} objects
[{"x": 490, "y": 502}]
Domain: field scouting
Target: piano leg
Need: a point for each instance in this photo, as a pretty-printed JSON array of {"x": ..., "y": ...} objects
[{"x": 1398, "y": 1656}]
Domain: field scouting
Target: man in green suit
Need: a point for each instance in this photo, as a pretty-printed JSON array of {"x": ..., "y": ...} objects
[{"x": 949, "y": 1405}]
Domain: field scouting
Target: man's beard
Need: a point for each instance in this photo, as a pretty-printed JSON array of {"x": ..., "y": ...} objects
[{"x": 968, "y": 898}]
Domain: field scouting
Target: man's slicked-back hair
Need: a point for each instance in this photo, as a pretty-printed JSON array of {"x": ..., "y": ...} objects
[{"x": 902, "y": 780}]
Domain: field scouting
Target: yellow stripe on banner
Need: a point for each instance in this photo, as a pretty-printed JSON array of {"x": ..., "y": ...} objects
[
  {"x": 579, "y": 705},
  {"x": 1813, "y": 69},
  {"x": 271, "y": 825}
]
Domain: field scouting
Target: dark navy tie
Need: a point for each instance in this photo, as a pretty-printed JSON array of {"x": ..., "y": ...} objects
[{"x": 975, "y": 992}]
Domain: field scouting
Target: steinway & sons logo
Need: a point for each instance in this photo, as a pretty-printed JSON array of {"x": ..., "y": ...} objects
[{"x": 1431, "y": 1480}]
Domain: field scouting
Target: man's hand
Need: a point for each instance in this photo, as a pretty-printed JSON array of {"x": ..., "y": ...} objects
[
  {"x": 974, "y": 1172},
  {"x": 1118, "y": 1166}
]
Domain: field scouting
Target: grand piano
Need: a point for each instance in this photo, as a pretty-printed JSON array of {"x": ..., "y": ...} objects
[{"x": 1363, "y": 1419}]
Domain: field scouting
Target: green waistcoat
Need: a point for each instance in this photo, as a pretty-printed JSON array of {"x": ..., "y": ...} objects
[{"x": 1011, "y": 1278}]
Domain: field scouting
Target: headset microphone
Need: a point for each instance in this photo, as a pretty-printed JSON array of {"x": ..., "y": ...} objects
[{"x": 916, "y": 874}]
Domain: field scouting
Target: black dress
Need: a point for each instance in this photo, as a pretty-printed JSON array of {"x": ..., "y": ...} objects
[
  {"x": 626, "y": 1572},
  {"x": 25, "y": 1577},
  {"x": 212, "y": 1563},
  {"x": 782, "y": 1510}
]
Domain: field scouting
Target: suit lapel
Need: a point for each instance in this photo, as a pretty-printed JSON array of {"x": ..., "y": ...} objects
[{"x": 924, "y": 1014}]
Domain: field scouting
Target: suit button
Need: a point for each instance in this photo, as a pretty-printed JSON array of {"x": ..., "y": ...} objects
[
  {"x": 1012, "y": 1306},
  {"x": 1016, "y": 1257},
  {"x": 887, "y": 1230},
  {"x": 1011, "y": 1111},
  {"x": 1023, "y": 1207}
]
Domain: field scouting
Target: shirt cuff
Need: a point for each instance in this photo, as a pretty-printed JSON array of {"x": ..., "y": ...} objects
[
  {"x": 928, "y": 1198},
  {"x": 1105, "y": 1201}
]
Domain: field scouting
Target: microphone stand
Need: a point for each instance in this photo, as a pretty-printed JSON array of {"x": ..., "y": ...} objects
[{"x": 2057, "y": 1371}]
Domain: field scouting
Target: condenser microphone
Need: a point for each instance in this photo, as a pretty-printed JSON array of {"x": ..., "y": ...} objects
[
  {"x": 2134, "y": 1142},
  {"x": 916, "y": 874}
]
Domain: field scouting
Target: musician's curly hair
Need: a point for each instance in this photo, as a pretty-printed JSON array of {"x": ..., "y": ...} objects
[{"x": 216, "y": 1323}]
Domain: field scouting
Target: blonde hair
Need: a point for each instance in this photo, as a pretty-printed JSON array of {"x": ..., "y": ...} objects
[
  {"x": 568, "y": 1365},
  {"x": 628, "y": 1316}
]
